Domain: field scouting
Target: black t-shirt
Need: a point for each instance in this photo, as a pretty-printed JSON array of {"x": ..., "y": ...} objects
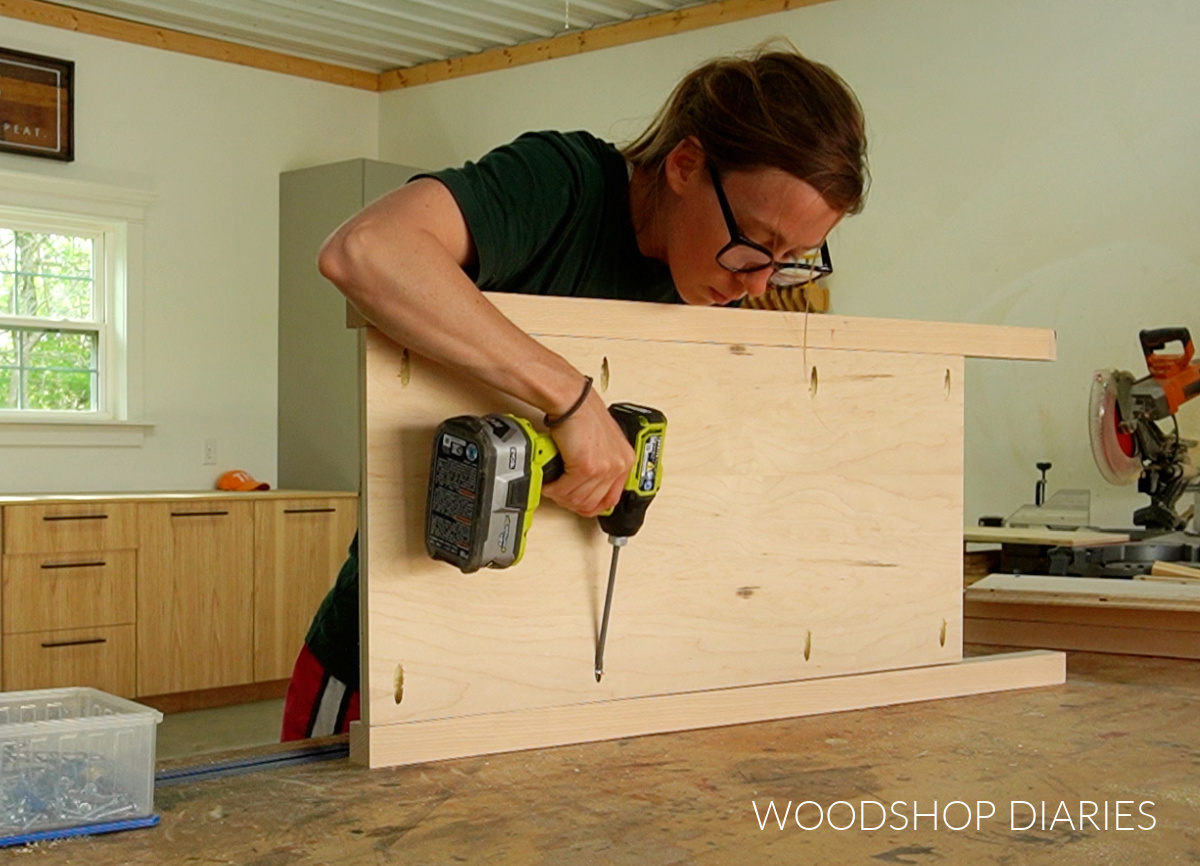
[{"x": 549, "y": 215}]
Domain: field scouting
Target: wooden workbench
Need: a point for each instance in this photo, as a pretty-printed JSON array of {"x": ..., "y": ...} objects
[{"x": 1120, "y": 729}]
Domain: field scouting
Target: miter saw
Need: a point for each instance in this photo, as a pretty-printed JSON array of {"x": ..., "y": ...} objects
[{"x": 1124, "y": 415}]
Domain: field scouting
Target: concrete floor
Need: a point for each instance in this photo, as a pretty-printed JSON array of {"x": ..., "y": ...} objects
[{"x": 202, "y": 731}]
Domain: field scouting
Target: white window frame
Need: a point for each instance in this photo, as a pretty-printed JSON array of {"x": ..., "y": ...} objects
[{"x": 116, "y": 217}]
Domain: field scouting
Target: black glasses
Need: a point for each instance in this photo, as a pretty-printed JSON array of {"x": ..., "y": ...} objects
[{"x": 743, "y": 256}]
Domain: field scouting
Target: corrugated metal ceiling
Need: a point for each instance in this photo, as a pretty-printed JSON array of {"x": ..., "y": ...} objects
[{"x": 377, "y": 35}]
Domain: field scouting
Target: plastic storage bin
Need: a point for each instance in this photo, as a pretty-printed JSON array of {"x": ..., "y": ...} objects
[{"x": 74, "y": 756}]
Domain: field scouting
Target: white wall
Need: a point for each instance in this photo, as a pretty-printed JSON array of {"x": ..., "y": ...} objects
[
  {"x": 209, "y": 140},
  {"x": 1034, "y": 162}
]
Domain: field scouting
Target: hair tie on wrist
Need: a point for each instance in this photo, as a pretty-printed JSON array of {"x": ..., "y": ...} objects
[{"x": 554, "y": 422}]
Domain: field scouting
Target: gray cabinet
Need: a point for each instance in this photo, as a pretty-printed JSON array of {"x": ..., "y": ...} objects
[{"x": 318, "y": 355}]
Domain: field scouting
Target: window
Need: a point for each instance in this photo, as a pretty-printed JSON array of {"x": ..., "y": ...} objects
[
  {"x": 70, "y": 311},
  {"x": 53, "y": 318}
]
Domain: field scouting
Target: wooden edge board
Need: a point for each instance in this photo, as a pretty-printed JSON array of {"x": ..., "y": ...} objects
[
  {"x": 1082, "y": 637},
  {"x": 1085, "y": 591},
  {"x": 593, "y": 39},
  {"x": 122, "y": 30},
  {"x": 1034, "y": 535},
  {"x": 630, "y": 320},
  {"x": 488, "y": 733},
  {"x": 1174, "y": 570},
  {"x": 1095, "y": 615}
]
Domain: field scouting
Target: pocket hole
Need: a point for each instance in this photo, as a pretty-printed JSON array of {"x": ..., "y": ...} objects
[
  {"x": 942, "y": 637},
  {"x": 398, "y": 683},
  {"x": 807, "y": 645},
  {"x": 946, "y": 384},
  {"x": 405, "y": 367},
  {"x": 604, "y": 374},
  {"x": 812, "y": 382}
]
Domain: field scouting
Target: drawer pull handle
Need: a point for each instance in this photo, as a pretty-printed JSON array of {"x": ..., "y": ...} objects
[
  {"x": 76, "y": 642},
  {"x": 198, "y": 513},
  {"x": 308, "y": 510},
  {"x": 50, "y": 517},
  {"x": 99, "y": 564}
]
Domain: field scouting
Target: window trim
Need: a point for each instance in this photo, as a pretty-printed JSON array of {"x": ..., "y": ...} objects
[{"x": 119, "y": 214}]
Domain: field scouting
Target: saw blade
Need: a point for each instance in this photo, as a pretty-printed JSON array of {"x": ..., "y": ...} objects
[{"x": 1115, "y": 451}]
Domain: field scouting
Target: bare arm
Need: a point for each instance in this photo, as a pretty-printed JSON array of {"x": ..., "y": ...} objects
[{"x": 400, "y": 262}]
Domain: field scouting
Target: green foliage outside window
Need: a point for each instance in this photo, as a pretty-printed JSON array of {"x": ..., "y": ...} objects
[{"x": 48, "y": 276}]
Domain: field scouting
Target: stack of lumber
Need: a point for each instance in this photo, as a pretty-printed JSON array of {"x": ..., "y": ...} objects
[{"x": 1094, "y": 614}]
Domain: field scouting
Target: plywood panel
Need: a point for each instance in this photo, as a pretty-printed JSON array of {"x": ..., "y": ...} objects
[
  {"x": 802, "y": 531},
  {"x": 623, "y": 320},
  {"x": 1088, "y": 591},
  {"x": 438, "y": 739},
  {"x": 1041, "y": 535}
]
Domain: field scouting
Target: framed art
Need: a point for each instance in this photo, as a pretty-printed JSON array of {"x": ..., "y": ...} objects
[{"x": 37, "y": 105}]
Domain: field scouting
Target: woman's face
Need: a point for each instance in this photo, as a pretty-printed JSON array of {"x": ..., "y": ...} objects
[{"x": 772, "y": 208}]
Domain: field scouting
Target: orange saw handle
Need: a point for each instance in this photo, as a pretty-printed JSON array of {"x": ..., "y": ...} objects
[{"x": 1179, "y": 378}]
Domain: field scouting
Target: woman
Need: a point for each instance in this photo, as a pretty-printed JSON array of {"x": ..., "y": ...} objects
[{"x": 742, "y": 174}]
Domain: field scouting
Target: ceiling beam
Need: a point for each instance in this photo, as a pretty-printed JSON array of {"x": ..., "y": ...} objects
[
  {"x": 606, "y": 36},
  {"x": 109, "y": 27},
  {"x": 566, "y": 45}
]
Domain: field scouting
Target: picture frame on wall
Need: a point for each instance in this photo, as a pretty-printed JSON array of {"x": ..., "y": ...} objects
[{"x": 37, "y": 105}]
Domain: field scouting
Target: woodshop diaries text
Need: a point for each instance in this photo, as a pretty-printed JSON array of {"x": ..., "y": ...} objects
[{"x": 957, "y": 815}]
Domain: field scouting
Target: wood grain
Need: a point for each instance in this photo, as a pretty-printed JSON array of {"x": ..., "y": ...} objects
[
  {"x": 299, "y": 545},
  {"x": 195, "y": 594},
  {"x": 1087, "y": 591},
  {"x": 1037, "y": 535},
  {"x": 1176, "y": 570},
  {"x": 795, "y": 535},
  {"x": 44, "y": 592},
  {"x": 438, "y": 739},
  {"x": 1139, "y": 636},
  {"x": 69, "y": 527},
  {"x": 809, "y": 526},
  {"x": 99, "y": 657},
  {"x": 1087, "y": 614},
  {"x": 622, "y": 320}
]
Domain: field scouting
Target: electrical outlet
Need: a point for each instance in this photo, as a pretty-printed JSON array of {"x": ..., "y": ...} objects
[{"x": 209, "y": 456}]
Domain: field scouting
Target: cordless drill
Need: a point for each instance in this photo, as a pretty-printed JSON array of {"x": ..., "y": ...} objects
[{"x": 485, "y": 483}]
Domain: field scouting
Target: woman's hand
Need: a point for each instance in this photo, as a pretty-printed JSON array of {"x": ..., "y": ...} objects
[{"x": 596, "y": 460}]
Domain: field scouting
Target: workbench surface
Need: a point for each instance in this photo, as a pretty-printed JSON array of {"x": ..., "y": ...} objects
[{"x": 1121, "y": 729}]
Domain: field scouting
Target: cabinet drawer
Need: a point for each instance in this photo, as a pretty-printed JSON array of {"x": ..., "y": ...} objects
[
  {"x": 44, "y": 591},
  {"x": 100, "y": 657},
  {"x": 70, "y": 526}
]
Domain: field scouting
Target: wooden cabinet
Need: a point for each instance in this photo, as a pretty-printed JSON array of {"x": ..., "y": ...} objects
[
  {"x": 319, "y": 436},
  {"x": 68, "y": 578},
  {"x": 195, "y": 593},
  {"x": 164, "y": 593},
  {"x": 299, "y": 546}
]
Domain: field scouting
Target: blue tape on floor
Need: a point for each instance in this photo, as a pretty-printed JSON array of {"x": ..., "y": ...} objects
[
  {"x": 82, "y": 830},
  {"x": 239, "y": 766}
]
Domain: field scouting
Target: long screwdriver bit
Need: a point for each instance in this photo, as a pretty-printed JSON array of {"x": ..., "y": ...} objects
[{"x": 617, "y": 543}]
